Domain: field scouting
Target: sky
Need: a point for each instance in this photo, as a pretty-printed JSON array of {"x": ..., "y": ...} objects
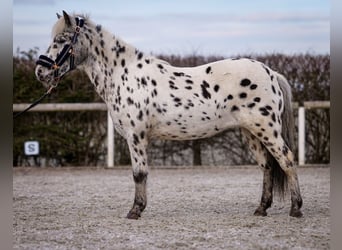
[{"x": 182, "y": 27}]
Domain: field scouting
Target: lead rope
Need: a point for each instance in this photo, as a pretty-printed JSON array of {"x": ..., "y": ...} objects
[{"x": 36, "y": 101}]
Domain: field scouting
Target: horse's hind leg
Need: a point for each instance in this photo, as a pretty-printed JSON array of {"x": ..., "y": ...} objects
[
  {"x": 260, "y": 154},
  {"x": 284, "y": 156},
  {"x": 137, "y": 146}
]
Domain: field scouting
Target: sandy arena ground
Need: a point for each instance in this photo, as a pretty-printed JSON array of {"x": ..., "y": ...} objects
[{"x": 85, "y": 208}]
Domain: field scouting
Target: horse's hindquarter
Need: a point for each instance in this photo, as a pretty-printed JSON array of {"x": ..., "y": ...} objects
[{"x": 201, "y": 101}]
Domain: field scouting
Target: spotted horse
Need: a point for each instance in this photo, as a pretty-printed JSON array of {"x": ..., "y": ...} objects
[{"x": 149, "y": 98}]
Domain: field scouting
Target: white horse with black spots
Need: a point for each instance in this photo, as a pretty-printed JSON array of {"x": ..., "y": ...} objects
[{"x": 149, "y": 98}]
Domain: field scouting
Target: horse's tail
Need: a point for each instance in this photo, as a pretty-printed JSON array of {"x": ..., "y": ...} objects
[
  {"x": 287, "y": 116},
  {"x": 280, "y": 184}
]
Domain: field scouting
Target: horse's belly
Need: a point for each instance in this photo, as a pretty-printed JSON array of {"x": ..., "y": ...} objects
[{"x": 194, "y": 127}]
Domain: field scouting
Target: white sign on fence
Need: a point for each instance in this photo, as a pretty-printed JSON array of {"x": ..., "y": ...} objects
[{"x": 31, "y": 148}]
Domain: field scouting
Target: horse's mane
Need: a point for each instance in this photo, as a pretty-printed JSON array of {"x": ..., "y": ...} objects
[{"x": 59, "y": 26}]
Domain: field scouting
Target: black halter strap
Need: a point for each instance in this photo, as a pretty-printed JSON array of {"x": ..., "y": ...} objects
[{"x": 66, "y": 53}]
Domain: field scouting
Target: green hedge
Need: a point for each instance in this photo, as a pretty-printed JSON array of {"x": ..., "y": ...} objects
[{"x": 79, "y": 138}]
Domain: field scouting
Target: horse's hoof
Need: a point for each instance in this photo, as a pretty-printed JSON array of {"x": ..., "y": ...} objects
[
  {"x": 296, "y": 213},
  {"x": 260, "y": 212},
  {"x": 133, "y": 216}
]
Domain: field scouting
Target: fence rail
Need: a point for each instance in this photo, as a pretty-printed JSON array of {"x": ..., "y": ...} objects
[{"x": 53, "y": 107}]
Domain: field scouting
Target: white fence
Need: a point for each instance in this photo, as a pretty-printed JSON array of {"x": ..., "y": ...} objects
[{"x": 52, "y": 107}]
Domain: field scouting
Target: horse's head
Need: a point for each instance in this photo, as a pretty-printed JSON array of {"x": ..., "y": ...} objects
[{"x": 65, "y": 52}]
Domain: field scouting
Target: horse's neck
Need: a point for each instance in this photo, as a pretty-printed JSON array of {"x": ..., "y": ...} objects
[{"x": 106, "y": 56}]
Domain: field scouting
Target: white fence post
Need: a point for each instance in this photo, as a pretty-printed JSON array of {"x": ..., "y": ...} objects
[
  {"x": 110, "y": 141},
  {"x": 301, "y": 136}
]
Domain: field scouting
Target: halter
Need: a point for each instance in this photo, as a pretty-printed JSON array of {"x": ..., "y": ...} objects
[{"x": 67, "y": 52}]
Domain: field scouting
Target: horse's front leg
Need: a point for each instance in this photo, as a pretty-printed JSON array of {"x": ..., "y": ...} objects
[{"x": 137, "y": 146}]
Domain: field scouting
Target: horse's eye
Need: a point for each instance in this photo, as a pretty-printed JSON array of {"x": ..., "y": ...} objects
[{"x": 60, "y": 39}]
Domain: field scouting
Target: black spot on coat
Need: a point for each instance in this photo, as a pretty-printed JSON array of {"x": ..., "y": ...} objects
[
  {"x": 245, "y": 82},
  {"x": 97, "y": 51},
  {"x": 142, "y": 135},
  {"x": 143, "y": 81},
  {"x": 135, "y": 139},
  {"x": 98, "y": 28},
  {"x": 242, "y": 95},
  {"x": 264, "y": 111},
  {"x": 251, "y": 105},
  {"x": 234, "y": 108},
  {"x": 253, "y": 86},
  {"x": 140, "y": 55},
  {"x": 205, "y": 92},
  {"x": 178, "y": 74},
  {"x": 257, "y": 99},
  {"x": 140, "y": 115},
  {"x": 130, "y": 101}
]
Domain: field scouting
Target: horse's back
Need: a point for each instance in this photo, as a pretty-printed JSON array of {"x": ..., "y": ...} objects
[{"x": 197, "y": 102}]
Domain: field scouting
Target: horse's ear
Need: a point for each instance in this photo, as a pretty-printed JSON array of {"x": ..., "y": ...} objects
[
  {"x": 58, "y": 16},
  {"x": 66, "y": 18}
]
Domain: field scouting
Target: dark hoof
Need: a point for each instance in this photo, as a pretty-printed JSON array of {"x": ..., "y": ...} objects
[
  {"x": 296, "y": 213},
  {"x": 260, "y": 212},
  {"x": 133, "y": 216}
]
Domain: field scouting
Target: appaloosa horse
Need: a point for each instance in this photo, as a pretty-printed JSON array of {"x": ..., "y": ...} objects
[{"x": 148, "y": 98}]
